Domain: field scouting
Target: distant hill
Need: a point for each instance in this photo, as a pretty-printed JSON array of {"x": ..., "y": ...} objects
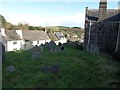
[{"x": 66, "y": 30}]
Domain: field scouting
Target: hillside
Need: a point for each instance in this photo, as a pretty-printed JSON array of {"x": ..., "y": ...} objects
[
  {"x": 71, "y": 31},
  {"x": 79, "y": 69}
]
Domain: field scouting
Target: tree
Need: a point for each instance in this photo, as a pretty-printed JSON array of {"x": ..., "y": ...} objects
[
  {"x": 2, "y": 21},
  {"x": 31, "y": 28},
  {"x": 22, "y": 26},
  {"x": 9, "y": 26}
]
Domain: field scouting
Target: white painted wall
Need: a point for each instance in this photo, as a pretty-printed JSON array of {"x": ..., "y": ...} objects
[
  {"x": 49, "y": 40},
  {"x": 2, "y": 31},
  {"x": 41, "y": 42},
  {"x": 11, "y": 46},
  {"x": 61, "y": 41}
]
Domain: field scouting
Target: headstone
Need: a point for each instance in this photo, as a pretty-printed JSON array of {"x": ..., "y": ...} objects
[
  {"x": 27, "y": 46},
  {"x": 41, "y": 48},
  {"x": 62, "y": 48},
  {"x": 10, "y": 69},
  {"x": 36, "y": 55},
  {"x": 49, "y": 45},
  {"x": 53, "y": 51},
  {"x": 79, "y": 46},
  {"x": 36, "y": 52},
  {"x": 51, "y": 69},
  {"x": 36, "y": 48},
  {"x": 60, "y": 44}
]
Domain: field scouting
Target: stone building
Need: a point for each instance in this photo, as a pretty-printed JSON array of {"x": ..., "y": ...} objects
[{"x": 102, "y": 30}]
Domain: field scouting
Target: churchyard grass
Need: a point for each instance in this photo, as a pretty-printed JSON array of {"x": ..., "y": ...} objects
[{"x": 78, "y": 69}]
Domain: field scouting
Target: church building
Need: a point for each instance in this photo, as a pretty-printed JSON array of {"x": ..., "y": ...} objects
[{"x": 102, "y": 30}]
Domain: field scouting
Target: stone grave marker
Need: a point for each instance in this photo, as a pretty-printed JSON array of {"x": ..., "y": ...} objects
[
  {"x": 36, "y": 52},
  {"x": 10, "y": 69},
  {"x": 55, "y": 68}
]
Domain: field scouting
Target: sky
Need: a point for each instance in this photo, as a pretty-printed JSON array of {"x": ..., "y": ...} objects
[{"x": 49, "y": 13}]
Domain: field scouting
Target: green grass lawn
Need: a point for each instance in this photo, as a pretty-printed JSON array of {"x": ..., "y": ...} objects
[{"x": 78, "y": 69}]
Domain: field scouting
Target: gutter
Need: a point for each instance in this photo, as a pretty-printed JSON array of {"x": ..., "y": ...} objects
[
  {"x": 118, "y": 38},
  {"x": 89, "y": 37}
]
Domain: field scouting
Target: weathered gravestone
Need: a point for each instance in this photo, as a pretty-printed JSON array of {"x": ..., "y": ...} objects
[
  {"x": 10, "y": 69},
  {"x": 53, "y": 51},
  {"x": 62, "y": 48},
  {"x": 36, "y": 55},
  {"x": 79, "y": 46},
  {"x": 52, "y": 47},
  {"x": 55, "y": 68},
  {"x": 27, "y": 46},
  {"x": 36, "y": 52}
]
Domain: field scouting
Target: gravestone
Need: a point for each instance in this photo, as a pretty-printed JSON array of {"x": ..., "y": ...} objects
[
  {"x": 10, "y": 69},
  {"x": 60, "y": 44},
  {"x": 79, "y": 46},
  {"x": 52, "y": 47},
  {"x": 53, "y": 51},
  {"x": 36, "y": 52},
  {"x": 55, "y": 68},
  {"x": 36, "y": 55},
  {"x": 62, "y": 48},
  {"x": 41, "y": 48},
  {"x": 27, "y": 46},
  {"x": 36, "y": 48}
]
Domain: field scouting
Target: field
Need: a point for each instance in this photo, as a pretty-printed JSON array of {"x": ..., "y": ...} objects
[{"x": 78, "y": 69}]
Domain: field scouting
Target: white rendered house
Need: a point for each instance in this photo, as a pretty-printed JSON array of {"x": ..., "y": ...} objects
[
  {"x": 35, "y": 37},
  {"x": 61, "y": 38},
  {"x": 11, "y": 40}
]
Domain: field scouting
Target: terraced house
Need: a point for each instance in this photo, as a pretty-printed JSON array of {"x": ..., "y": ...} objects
[
  {"x": 17, "y": 39},
  {"x": 102, "y": 30}
]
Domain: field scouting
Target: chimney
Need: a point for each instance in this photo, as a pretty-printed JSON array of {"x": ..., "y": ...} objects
[
  {"x": 19, "y": 32},
  {"x": 102, "y": 10},
  {"x": 2, "y": 31},
  {"x": 45, "y": 30},
  {"x": 86, "y": 13}
]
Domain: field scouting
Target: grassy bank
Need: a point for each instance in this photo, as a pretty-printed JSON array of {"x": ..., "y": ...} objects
[{"x": 78, "y": 69}]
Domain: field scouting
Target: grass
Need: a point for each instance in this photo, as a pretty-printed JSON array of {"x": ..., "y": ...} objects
[{"x": 78, "y": 69}]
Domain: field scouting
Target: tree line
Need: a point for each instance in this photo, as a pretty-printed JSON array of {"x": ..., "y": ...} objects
[{"x": 21, "y": 26}]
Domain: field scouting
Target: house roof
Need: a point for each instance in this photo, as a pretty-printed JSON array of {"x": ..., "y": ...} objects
[
  {"x": 103, "y": 0},
  {"x": 93, "y": 14},
  {"x": 53, "y": 37},
  {"x": 11, "y": 35},
  {"x": 58, "y": 34},
  {"x": 35, "y": 35}
]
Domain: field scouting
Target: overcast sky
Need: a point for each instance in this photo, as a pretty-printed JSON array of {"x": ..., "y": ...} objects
[{"x": 48, "y": 13}]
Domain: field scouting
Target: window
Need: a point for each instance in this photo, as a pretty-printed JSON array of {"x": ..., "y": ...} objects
[
  {"x": 14, "y": 42},
  {"x": 37, "y": 42}
]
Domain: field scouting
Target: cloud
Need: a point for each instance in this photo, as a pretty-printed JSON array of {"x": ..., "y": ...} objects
[{"x": 73, "y": 20}]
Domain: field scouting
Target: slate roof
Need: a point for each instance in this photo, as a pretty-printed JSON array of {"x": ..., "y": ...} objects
[
  {"x": 11, "y": 35},
  {"x": 53, "y": 37},
  {"x": 59, "y": 35},
  {"x": 93, "y": 14},
  {"x": 35, "y": 35}
]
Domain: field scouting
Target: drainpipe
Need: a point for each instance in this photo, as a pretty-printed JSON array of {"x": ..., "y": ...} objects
[
  {"x": 89, "y": 37},
  {"x": 118, "y": 38}
]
